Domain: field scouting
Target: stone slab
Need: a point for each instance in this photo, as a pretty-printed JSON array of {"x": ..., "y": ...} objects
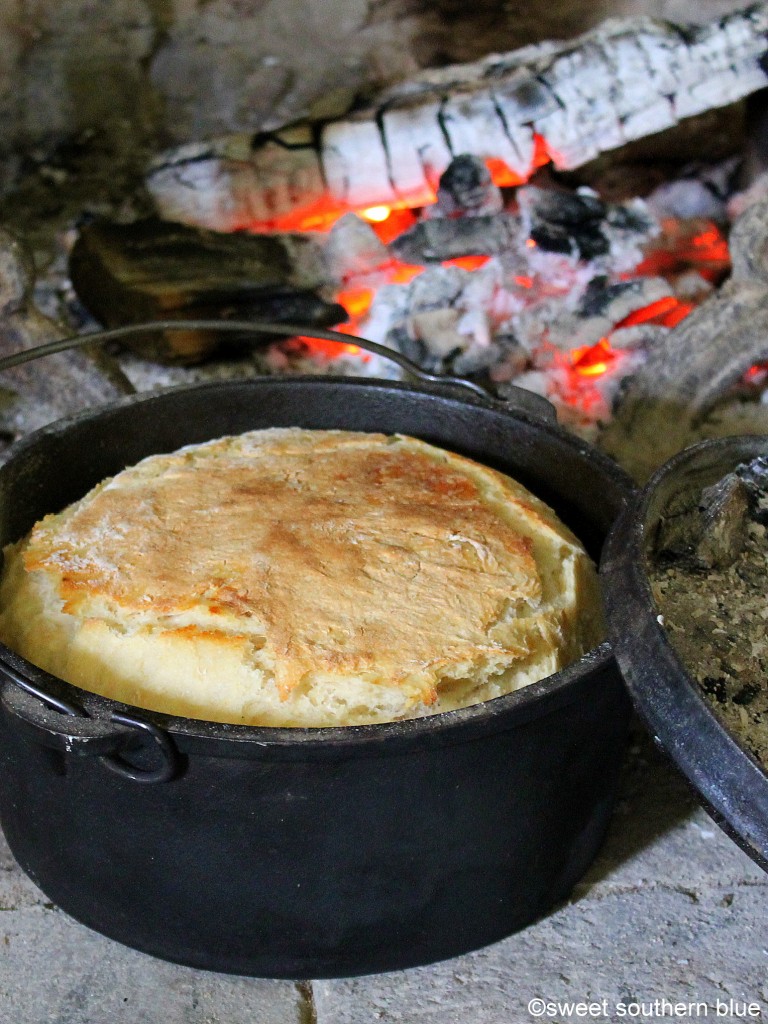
[
  {"x": 53, "y": 969},
  {"x": 633, "y": 947}
]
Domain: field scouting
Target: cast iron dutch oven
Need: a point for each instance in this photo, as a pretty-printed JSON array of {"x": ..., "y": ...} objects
[
  {"x": 730, "y": 783},
  {"x": 310, "y": 852}
]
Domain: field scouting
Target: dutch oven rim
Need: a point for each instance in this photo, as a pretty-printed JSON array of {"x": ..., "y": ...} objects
[{"x": 494, "y": 715}]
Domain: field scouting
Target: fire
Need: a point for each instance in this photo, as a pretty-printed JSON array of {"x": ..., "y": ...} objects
[
  {"x": 376, "y": 214},
  {"x": 595, "y": 360},
  {"x": 682, "y": 247},
  {"x": 356, "y": 301},
  {"x": 321, "y": 347},
  {"x": 402, "y": 273},
  {"x": 666, "y": 312},
  {"x": 686, "y": 245},
  {"x": 467, "y": 262},
  {"x": 592, "y": 360},
  {"x": 503, "y": 175}
]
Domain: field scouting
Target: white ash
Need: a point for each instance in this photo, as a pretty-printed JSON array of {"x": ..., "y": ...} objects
[
  {"x": 442, "y": 313},
  {"x": 353, "y": 248},
  {"x": 716, "y": 620},
  {"x": 755, "y": 193},
  {"x": 522, "y": 314},
  {"x": 578, "y": 329},
  {"x": 686, "y": 198},
  {"x": 692, "y": 285}
]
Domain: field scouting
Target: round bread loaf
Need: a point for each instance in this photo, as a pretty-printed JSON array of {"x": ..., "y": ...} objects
[{"x": 293, "y": 577}]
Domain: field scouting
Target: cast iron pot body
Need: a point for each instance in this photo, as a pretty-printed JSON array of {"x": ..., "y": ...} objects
[
  {"x": 729, "y": 782},
  {"x": 311, "y": 852}
]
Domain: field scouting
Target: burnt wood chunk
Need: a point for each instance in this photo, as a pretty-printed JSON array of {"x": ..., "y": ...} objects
[
  {"x": 708, "y": 530},
  {"x": 149, "y": 270},
  {"x": 724, "y": 515},
  {"x": 466, "y": 188},
  {"x": 443, "y": 239}
]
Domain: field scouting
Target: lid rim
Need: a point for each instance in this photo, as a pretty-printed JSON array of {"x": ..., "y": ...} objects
[{"x": 728, "y": 780}]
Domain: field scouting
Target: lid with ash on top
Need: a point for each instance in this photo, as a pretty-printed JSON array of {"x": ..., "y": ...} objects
[{"x": 683, "y": 576}]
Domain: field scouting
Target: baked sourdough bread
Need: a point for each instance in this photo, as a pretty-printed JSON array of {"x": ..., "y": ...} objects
[{"x": 294, "y": 577}]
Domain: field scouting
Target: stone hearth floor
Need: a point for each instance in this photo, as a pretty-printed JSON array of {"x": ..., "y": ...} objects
[{"x": 670, "y": 910}]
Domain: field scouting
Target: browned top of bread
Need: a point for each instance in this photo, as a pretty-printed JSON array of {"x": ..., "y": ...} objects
[
  {"x": 347, "y": 553},
  {"x": 297, "y": 577}
]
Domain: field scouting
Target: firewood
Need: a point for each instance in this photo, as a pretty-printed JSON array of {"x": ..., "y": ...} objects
[
  {"x": 149, "y": 270},
  {"x": 627, "y": 79}
]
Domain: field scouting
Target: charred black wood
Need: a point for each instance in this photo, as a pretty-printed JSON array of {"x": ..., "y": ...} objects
[
  {"x": 708, "y": 530},
  {"x": 466, "y": 189},
  {"x": 565, "y": 222},
  {"x": 152, "y": 269}
]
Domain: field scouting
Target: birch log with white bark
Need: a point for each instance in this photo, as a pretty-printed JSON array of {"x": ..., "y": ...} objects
[{"x": 627, "y": 79}]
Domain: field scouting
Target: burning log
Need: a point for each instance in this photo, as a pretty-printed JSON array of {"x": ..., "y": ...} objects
[
  {"x": 700, "y": 359},
  {"x": 564, "y": 102}
]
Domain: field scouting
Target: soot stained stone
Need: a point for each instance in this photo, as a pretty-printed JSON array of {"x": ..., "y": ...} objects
[{"x": 152, "y": 269}]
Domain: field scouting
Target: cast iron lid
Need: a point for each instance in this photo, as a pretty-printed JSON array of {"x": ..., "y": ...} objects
[{"x": 730, "y": 783}]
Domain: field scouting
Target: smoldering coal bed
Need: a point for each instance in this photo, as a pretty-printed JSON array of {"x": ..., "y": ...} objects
[{"x": 461, "y": 219}]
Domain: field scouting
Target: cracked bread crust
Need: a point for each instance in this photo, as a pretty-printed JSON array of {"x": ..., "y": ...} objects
[{"x": 291, "y": 577}]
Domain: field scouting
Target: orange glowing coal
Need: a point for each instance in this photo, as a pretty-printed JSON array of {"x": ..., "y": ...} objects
[
  {"x": 376, "y": 214},
  {"x": 686, "y": 245},
  {"x": 666, "y": 312},
  {"x": 503, "y": 176},
  {"x": 467, "y": 262},
  {"x": 356, "y": 301},
  {"x": 592, "y": 360}
]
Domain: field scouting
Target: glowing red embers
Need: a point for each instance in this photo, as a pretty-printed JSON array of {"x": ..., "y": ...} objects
[
  {"x": 503, "y": 175},
  {"x": 666, "y": 312},
  {"x": 326, "y": 349},
  {"x": 319, "y": 215},
  {"x": 685, "y": 245},
  {"x": 388, "y": 221},
  {"x": 356, "y": 301},
  {"x": 592, "y": 360},
  {"x": 467, "y": 262}
]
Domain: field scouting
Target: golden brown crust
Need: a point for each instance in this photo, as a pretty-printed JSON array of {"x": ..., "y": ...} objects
[{"x": 321, "y": 555}]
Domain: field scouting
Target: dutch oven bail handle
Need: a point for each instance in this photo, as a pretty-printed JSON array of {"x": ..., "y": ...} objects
[
  {"x": 60, "y": 725},
  {"x": 509, "y": 397}
]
